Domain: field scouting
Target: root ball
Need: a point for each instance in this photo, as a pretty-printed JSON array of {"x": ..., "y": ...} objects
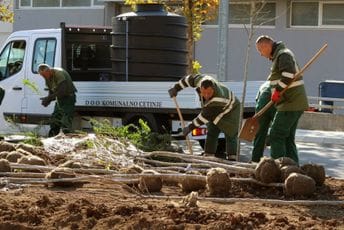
[
  {"x": 31, "y": 160},
  {"x": 150, "y": 183},
  {"x": 5, "y": 166},
  {"x": 14, "y": 156},
  {"x": 218, "y": 182},
  {"x": 5, "y": 146},
  {"x": 268, "y": 171},
  {"x": 285, "y": 161},
  {"x": 289, "y": 169},
  {"x": 132, "y": 169},
  {"x": 61, "y": 173},
  {"x": 317, "y": 172},
  {"x": 299, "y": 185}
]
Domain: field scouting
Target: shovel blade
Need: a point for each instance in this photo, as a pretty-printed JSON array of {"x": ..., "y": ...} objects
[{"x": 249, "y": 129}]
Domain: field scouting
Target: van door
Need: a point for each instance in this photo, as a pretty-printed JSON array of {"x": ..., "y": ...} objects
[
  {"x": 12, "y": 72},
  {"x": 43, "y": 48}
]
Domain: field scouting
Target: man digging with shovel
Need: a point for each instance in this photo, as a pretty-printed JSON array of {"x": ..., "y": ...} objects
[
  {"x": 291, "y": 105},
  {"x": 220, "y": 111}
]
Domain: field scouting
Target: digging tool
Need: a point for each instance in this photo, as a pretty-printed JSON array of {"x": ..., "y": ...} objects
[
  {"x": 183, "y": 124},
  {"x": 251, "y": 125}
]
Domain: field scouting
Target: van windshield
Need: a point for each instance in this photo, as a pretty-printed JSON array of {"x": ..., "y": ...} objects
[{"x": 11, "y": 59}]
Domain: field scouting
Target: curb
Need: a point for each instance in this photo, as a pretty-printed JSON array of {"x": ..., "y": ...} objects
[{"x": 319, "y": 136}]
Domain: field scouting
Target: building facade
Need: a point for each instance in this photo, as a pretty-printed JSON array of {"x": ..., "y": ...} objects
[{"x": 304, "y": 25}]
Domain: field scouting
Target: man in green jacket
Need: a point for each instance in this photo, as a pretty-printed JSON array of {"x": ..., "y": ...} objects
[
  {"x": 291, "y": 105},
  {"x": 61, "y": 89},
  {"x": 263, "y": 97},
  {"x": 220, "y": 112}
]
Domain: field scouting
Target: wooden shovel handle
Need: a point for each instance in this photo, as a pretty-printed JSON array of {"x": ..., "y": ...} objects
[
  {"x": 295, "y": 78},
  {"x": 183, "y": 124}
]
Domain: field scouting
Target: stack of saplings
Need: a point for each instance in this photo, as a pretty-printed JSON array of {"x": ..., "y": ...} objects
[{"x": 298, "y": 181}]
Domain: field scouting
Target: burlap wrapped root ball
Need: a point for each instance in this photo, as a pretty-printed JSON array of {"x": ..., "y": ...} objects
[
  {"x": 132, "y": 169},
  {"x": 150, "y": 183},
  {"x": 317, "y": 172},
  {"x": 289, "y": 169},
  {"x": 5, "y": 146},
  {"x": 5, "y": 165},
  {"x": 14, "y": 156},
  {"x": 31, "y": 160},
  {"x": 3, "y": 155},
  {"x": 268, "y": 171},
  {"x": 193, "y": 182},
  {"x": 71, "y": 164},
  {"x": 218, "y": 182},
  {"x": 61, "y": 173},
  {"x": 299, "y": 185},
  {"x": 285, "y": 161}
]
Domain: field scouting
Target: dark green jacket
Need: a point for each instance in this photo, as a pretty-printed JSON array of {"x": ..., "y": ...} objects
[
  {"x": 283, "y": 68},
  {"x": 60, "y": 84},
  {"x": 218, "y": 108}
]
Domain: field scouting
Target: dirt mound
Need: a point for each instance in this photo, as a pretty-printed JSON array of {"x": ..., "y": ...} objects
[
  {"x": 285, "y": 161},
  {"x": 5, "y": 146},
  {"x": 289, "y": 169},
  {"x": 61, "y": 173},
  {"x": 14, "y": 156},
  {"x": 31, "y": 160}
]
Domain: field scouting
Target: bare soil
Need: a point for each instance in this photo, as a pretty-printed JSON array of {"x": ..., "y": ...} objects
[
  {"x": 112, "y": 206},
  {"x": 104, "y": 204}
]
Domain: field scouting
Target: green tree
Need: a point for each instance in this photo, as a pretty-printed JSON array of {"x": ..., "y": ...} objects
[{"x": 196, "y": 12}]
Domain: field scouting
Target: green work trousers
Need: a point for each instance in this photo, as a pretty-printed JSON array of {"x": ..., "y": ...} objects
[
  {"x": 62, "y": 116},
  {"x": 211, "y": 141},
  {"x": 282, "y": 134},
  {"x": 260, "y": 138}
]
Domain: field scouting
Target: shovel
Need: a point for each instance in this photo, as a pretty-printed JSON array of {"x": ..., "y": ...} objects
[
  {"x": 251, "y": 125},
  {"x": 183, "y": 124}
]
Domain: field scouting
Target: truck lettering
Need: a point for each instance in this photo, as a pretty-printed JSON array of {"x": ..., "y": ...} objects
[{"x": 115, "y": 103}]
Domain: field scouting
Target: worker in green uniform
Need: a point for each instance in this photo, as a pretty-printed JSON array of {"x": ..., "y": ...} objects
[
  {"x": 263, "y": 97},
  {"x": 220, "y": 112},
  {"x": 291, "y": 105},
  {"x": 61, "y": 89}
]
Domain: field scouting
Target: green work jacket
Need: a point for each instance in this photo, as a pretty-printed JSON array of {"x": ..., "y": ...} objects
[
  {"x": 283, "y": 68},
  {"x": 218, "y": 109},
  {"x": 60, "y": 75}
]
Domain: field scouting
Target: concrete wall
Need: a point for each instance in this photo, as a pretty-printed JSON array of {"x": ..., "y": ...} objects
[
  {"x": 322, "y": 121},
  {"x": 5, "y": 30},
  {"x": 25, "y": 19}
]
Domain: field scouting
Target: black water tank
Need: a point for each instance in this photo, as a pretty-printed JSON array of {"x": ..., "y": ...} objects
[{"x": 149, "y": 45}]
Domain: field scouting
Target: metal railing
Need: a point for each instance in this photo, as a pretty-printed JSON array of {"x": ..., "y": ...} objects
[{"x": 319, "y": 103}]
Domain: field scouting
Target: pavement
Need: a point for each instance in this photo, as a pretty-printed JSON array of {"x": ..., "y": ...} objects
[{"x": 314, "y": 146}]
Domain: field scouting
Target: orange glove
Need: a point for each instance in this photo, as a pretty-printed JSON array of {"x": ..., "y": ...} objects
[{"x": 276, "y": 96}]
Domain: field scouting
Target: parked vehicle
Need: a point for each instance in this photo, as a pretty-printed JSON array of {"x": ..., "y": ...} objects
[{"x": 85, "y": 53}]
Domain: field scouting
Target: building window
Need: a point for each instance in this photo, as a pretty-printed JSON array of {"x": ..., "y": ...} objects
[
  {"x": 240, "y": 13},
  {"x": 304, "y": 14},
  {"x": 317, "y": 14},
  {"x": 45, "y": 3},
  {"x": 76, "y": 2},
  {"x": 333, "y": 14},
  {"x": 60, "y": 3}
]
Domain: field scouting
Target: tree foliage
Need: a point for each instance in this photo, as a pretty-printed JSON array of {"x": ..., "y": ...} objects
[{"x": 6, "y": 14}]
